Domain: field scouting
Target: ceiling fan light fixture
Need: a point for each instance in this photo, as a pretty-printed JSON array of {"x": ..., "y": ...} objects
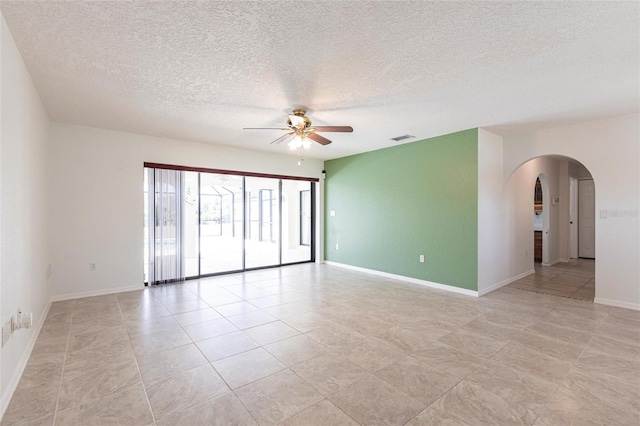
[
  {"x": 295, "y": 143},
  {"x": 299, "y": 142}
]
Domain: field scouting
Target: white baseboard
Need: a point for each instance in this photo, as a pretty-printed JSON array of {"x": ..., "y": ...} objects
[
  {"x": 617, "y": 303},
  {"x": 553, "y": 262},
  {"x": 81, "y": 295},
  {"x": 22, "y": 363},
  {"x": 563, "y": 260},
  {"x": 407, "y": 279},
  {"x": 505, "y": 282}
]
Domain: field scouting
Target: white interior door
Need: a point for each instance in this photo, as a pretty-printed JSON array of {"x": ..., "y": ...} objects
[
  {"x": 573, "y": 218},
  {"x": 586, "y": 219}
]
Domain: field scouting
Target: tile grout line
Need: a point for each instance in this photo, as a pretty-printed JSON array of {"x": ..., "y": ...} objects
[
  {"x": 64, "y": 361},
  {"x": 532, "y": 375},
  {"x": 144, "y": 388},
  {"x": 561, "y": 381},
  {"x": 483, "y": 363},
  {"x": 172, "y": 315},
  {"x": 231, "y": 391},
  {"x": 324, "y": 397},
  {"x": 568, "y": 269},
  {"x": 522, "y": 330}
]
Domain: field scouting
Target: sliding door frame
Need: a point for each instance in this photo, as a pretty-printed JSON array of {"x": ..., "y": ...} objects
[
  {"x": 245, "y": 217},
  {"x": 280, "y": 198},
  {"x": 313, "y": 221},
  {"x": 199, "y": 231},
  {"x": 227, "y": 172},
  {"x": 244, "y": 175}
]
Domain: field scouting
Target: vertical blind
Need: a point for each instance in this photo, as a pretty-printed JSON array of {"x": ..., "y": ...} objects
[{"x": 166, "y": 262}]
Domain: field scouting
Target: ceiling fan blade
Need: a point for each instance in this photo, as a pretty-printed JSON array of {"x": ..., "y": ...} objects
[
  {"x": 320, "y": 139},
  {"x": 346, "y": 129},
  {"x": 265, "y": 128},
  {"x": 297, "y": 121},
  {"x": 282, "y": 138}
]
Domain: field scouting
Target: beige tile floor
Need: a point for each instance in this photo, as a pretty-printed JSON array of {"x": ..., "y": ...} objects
[
  {"x": 319, "y": 345},
  {"x": 575, "y": 279}
]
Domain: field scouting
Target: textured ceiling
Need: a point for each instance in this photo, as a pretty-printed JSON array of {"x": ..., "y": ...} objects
[{"x": 203, "y": 70}]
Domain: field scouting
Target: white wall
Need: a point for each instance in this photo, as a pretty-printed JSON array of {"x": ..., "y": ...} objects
[
  {"x": 492, "y": 210},
  {"x": 578, "y": 171},
  {"x": 505, "y": 214},
  {"x": 610, "y": 150},
  {"x": 519, "y": 191},
  {"x": 97, "y": 187},
  {"x": 23, "y": 209}
]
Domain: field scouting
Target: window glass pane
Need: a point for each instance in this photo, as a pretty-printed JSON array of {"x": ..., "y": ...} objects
[
  {"x": 305, "y": 217},
  {"x": 190, "y": 222},
  {"x": 220, "y": 240},
  {"x": 296, "y": 221},
  {"x": 262, "y": 245}
]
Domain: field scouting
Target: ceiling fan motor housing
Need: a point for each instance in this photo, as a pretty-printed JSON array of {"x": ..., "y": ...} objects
[{"x": 300, "y": 113}]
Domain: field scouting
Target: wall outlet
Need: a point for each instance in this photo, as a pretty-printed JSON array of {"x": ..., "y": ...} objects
[
  {"x": 49, "y": 271},
  {"x": 422, "y": 258},
  {"x": 22, "y": 320},
  {"x": 7, "y": 330},
  {"x": 27, "y": 320},
  {"x": 92, "y": 266},
  {"x": 332, "y": 213},
  {"x": 336, "y": 246}
]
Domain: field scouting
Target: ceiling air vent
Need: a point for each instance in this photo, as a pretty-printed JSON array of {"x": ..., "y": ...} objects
[{"x": 401, "y": 138}]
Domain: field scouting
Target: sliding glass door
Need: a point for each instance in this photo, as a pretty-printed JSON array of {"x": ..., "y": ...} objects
[
  {"x": 262, "y": 237},
  {"x": 199, "y": 223},
  {"x": 221, "y": 217},
  {"x": 296, "y": 223}
]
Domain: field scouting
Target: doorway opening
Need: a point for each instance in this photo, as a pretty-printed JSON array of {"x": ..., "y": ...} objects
[
  {"x": 538, "y": 221},
  {"x": 563, "y": 221}
]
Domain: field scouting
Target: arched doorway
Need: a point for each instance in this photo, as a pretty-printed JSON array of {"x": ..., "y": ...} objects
[
  {"x": 538, "y": 221},
  {"x": 563, "y": 195},
  {"x": 541, "y": 220}
]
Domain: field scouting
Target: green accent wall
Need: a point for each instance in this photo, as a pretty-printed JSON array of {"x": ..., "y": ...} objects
[{"x": 394, "y": 204}]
